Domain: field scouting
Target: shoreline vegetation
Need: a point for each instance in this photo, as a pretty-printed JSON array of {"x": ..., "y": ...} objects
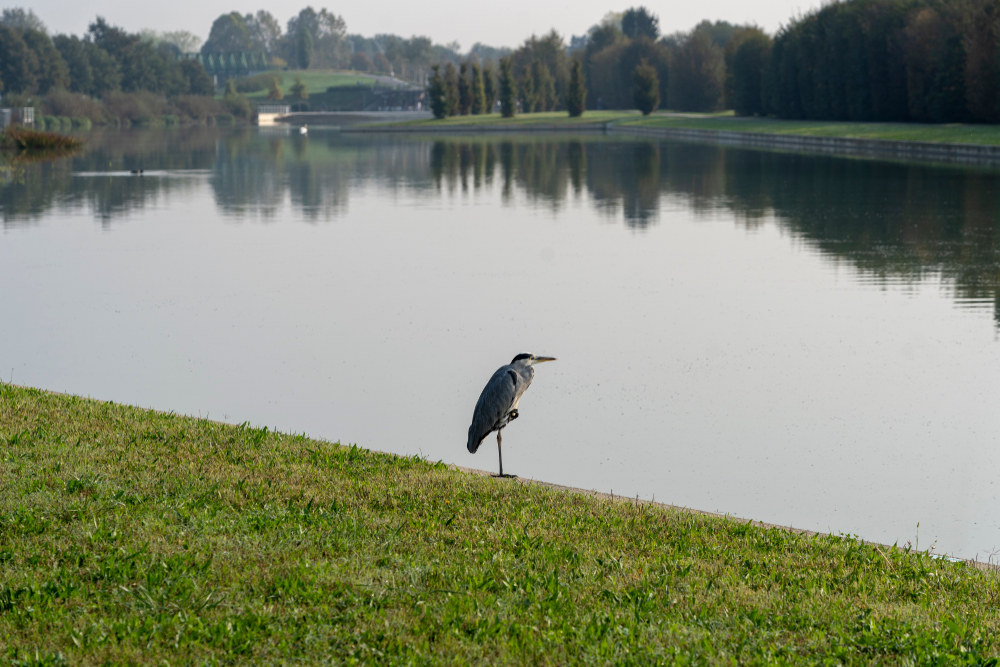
[
  {"x": 984, "y": 135},
  {"x": 19, "y": 139},
  {"x": 134, "y": 536}
]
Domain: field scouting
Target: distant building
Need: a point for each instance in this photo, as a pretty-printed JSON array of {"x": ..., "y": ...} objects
[
  {"x": 222, "y": 66},
  {"x": 18, "y": 116},
  {"x": 267, "y": 114}
]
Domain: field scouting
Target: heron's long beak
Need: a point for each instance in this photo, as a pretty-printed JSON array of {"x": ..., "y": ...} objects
[{"x": 538, "y": 360}]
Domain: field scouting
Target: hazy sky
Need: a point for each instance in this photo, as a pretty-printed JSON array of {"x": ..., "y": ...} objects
[{"x": 505, "y": 23}]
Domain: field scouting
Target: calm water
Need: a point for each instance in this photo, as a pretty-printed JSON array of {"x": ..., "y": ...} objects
[{"x": 804, "y": 340}]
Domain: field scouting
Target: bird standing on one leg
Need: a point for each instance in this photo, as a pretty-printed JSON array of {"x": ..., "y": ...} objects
[{"x": 497, "y": 405}]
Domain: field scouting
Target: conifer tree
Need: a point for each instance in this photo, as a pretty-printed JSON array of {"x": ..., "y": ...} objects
[
  {"x": 489, "y": 87},
  {"x": 576, "y": 93},
  {"x": 299, "y": 92},
  {"x": 478, "y": 91},
  {"x": 274, "y": 92},
  {"x": 438, "y": 94},
  {"x": 528, "y": 97},
  {"x": 451, "y": 89},
  {"x": 645, "y": 88},
  {"x": 304, "y": 48},
  {"x": 464, "y": 90},
  {"x": 508, "y": 89}
]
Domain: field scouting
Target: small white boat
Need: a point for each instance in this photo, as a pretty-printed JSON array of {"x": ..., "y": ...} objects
[{"x": 304, "y": 130}]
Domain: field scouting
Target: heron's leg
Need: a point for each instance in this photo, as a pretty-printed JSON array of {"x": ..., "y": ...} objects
[{"x": 499, "y": 452}]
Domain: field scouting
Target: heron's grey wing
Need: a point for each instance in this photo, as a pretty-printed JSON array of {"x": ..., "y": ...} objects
[{"x": 495, "y": 401}]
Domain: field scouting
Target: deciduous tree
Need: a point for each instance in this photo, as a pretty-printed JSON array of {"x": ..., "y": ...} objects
[
  {"x": 20, "y": 20},
  {"x": 51, "y": 71},
  {"x": 74, "y": 52},
  {"x": 697, "y": 74},
  {"x": 106, "y": 70},
  {"x": 229, "y": 33},
  {"x": 197, "y": 81},
  {"x": 745, "y": 72},
  {"x": 646, "y": 89},
  {"x": 527, "y": 88},
  {"x": 264, "y": 31},
  {"x": 640, "y": 22},
  {"x": 545, "y": 86},
  {"x": 382, "y": 64},
  {"x": 360, "y": 62},
  {"x": 18, "y": 63}
]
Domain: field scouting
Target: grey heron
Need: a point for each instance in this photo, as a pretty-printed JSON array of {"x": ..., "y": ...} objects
[{"x": 497, "y": 405}]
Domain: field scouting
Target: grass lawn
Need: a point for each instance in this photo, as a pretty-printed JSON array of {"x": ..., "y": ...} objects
[
  {"x": 495, "y": 119},
  {"x": 961, "y": 134},
  {"x": 317, "y": 81},
  {"x": 129, "y": 536},
  {"x": 969, "y": 134}
]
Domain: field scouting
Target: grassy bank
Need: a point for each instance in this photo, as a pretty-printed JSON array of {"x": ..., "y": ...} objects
[
  {"x": 129, "y": 536},
  {"x": 958, "y": 134},
  {"x": 543, "y": 117},
  {"x": 962, "y": 134}
]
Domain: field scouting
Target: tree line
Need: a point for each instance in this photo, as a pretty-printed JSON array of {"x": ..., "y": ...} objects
[
  {"x": 621, "y": 63},
  {"x": 906, "y": 60},
  {"x": 883, "y": 60},
  {"x": 932, "y": 61},
  {"x": 319, "y": 40},
  {"x": 106, "y": 59},
  {"x": 878, "y": 60}
]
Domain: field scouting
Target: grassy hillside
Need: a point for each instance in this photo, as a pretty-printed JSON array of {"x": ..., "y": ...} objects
[
  {"x": 129, "y": 536},
  {"x": 317, "y": 81}
]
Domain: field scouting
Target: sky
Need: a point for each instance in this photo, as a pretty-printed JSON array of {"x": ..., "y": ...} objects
[{"x": 505, "y": 23}]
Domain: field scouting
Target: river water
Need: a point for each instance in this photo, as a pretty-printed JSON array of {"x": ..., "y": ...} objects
[{"x": 804, "y": 340}]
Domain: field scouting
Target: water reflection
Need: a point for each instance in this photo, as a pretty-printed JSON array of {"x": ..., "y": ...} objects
[{"x": 894, "y": 222}]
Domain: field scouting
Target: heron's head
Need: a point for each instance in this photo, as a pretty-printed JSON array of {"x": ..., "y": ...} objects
[{"x": 527, "y": 359}]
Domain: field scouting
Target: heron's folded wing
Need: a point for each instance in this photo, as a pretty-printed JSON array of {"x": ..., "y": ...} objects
[{"x": 493, "y": 404}]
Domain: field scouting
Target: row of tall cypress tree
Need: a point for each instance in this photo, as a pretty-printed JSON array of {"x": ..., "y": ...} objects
[
  {"x": 472, "y": 89},
  {"x": 467, "y": 89}
]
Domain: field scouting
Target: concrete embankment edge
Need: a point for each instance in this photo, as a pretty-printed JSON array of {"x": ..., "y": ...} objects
[
  {"x": 533, "y": 128},
  {"x": 903, "y": 150},
  {"x": 975, "y": 154},
  {"x": 979, "y": 565}
]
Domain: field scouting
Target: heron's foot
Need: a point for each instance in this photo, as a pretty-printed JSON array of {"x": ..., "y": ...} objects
[{"x": 504, "y": 476}]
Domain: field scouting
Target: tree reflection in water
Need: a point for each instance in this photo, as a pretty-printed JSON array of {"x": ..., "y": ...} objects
[{"x": 893, "y": 221}]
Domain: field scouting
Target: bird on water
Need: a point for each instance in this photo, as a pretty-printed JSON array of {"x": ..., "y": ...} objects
[{"x": 497, "y": 405}]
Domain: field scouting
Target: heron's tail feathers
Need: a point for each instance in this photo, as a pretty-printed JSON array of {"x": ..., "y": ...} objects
[{"x": 475, "y": 440}]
